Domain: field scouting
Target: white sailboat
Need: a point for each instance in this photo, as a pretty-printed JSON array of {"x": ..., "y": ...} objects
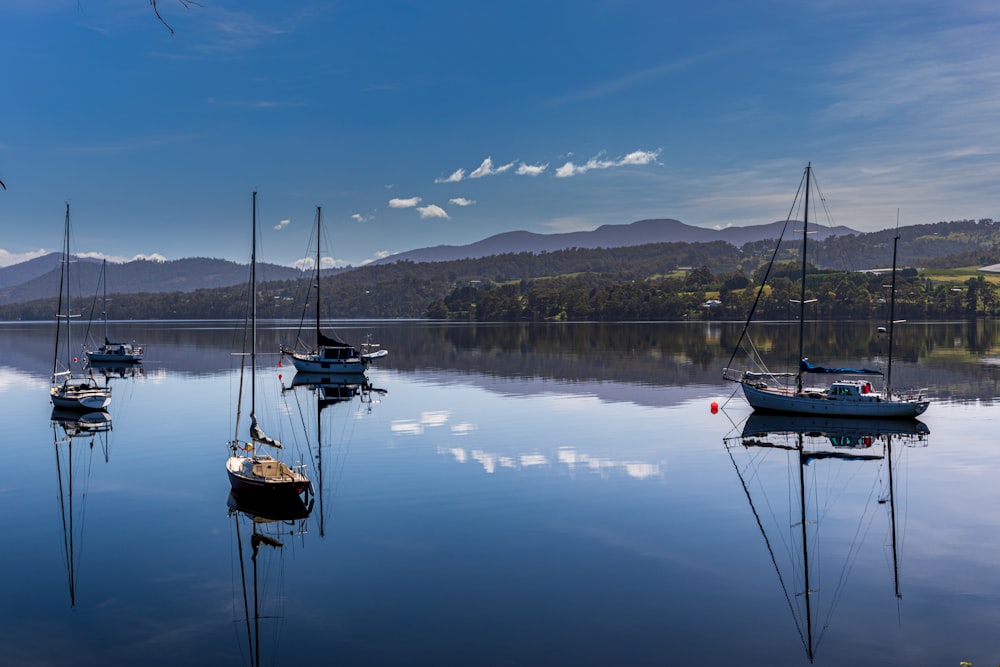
[
  {"x": 111, "y": 352},
  {"x": 69, "y": 389},
  {"x": 248, "y": 469},
  {"x": 776, "y": 392},
  {"x": 330, "y": 354}
]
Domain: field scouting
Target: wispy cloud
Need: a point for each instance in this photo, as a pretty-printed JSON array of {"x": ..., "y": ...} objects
[
  {"x": 455, "y": 177},
  {"x": 357, "y": 217},
  {"x": 404, "y": 203},
  {"x": 487, "y": 169},
  {"x": 432, "y": 211},
  {"x": 226, "y": 32},
  {"x": 630, "y": 80},
  {"x": 8, "y": 258},
  {"x": 461, "y": 201},
  {"x": 118, "y": 259},
  {"x": 256, "y": 104},
  {"x": 531, "y": 170},
  {"x": 569, "y": 224},
  {"x": 284, "y": 223},
  {"x": 381, "y": 254},
  {"x": 633, "y": 158},
  {"x": 136, "y": 143}
]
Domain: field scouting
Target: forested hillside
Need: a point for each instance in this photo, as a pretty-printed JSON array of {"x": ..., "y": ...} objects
[{"x": 662, "y": 281}]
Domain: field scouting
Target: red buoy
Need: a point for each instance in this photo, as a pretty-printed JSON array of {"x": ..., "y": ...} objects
[{"x": 715, "y": 407}]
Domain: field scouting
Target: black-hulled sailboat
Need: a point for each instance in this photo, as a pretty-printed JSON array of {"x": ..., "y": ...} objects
[{"x": 250, "y": 470}]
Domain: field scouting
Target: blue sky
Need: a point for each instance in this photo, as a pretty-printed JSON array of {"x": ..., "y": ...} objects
[{"x": 444, "y": 122}]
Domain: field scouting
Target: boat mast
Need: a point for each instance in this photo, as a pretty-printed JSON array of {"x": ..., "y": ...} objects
[
  {"x": 69, "y": 308},
  {"x": 104, "y": 280},
  {"x": 802, "y": 293},
  {"x": 253, "y": 311},
  {"x": 892, "y": 314},
  {"x": 59, "y": 307},
  {"x": 319, "y": 242}
]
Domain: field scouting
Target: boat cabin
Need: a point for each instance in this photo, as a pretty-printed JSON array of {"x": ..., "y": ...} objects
[
  {"x": 339, "y": 353},
  {"x": 852, "y": 390},
  {"x": 268, "y": 467}
]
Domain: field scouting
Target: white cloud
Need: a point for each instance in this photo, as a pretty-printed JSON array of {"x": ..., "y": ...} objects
[
  {"x": 462, "y": 201},
  {"x": 432, "y": 211},
  {"x": 634, "y": 158},
  {"x": 381, "y": 254},
  {"x": 155, "y": 257},
  {"x": 357, "y": 217},
  {"x": 455, "y": 177},
  {"x": 118, "y": 259},
  {"x": 283, "y": 224},
  {"x": 487, "y": 169},
  {"x": 640, "y": 157},
  {"x": 9, "y": 258},
  {"x": 404, "y": 203},
  {"x": 309, "y": 263},
  {"x": 531, "y": 169}
]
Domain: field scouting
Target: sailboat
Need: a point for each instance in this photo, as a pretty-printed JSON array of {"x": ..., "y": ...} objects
[
  {"x": 271, "y": 524},
  {"x": 330, "y": 354},
  {"x": 74, "y": 435},
  {"x": 248, "y": 469},
  {"x": 118, "y": 354},
  {"x": 795, "y": 452},
  {"x": 68, "y": 390},
  {"x": 773, "y": 391}
]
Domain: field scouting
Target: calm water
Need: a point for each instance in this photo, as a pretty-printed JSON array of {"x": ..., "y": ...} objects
[{"x": 512, "y": 495}]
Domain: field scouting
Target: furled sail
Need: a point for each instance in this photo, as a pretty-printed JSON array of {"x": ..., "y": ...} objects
[
  {"x": 330, "y": 341},
  {"x": 811, "y": 368},
  {"x": 257, "y": 435}
]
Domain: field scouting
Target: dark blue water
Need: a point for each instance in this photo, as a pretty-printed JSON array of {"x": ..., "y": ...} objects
[{"x": 512, "y": 495}]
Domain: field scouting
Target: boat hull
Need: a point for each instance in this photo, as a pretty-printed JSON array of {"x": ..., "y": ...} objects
[
  {"x": 77, "y": 397},
  {"x": 872, "y": 407},
  {"x": 314, "y": 364},
  {"x": 242, "y": 479}
]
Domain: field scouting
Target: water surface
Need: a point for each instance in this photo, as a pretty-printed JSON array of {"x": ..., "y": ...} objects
[{"x": 514, "y": 494}]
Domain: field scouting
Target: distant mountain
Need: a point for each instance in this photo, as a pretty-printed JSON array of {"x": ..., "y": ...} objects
[
  {"x": 17, "y": 274},
  {"x": 606, "y": 236},
  {"x": 39, "y": 278}
]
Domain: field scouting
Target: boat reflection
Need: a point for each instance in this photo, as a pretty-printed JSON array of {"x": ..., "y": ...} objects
[
  {"x": 270, "y": 520},
  {"x": 75, "y": 435},
  {"x": 791, "y": 470},
  {"x": 321, "y": 405},
  {"x": 112, "y": 370}
]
